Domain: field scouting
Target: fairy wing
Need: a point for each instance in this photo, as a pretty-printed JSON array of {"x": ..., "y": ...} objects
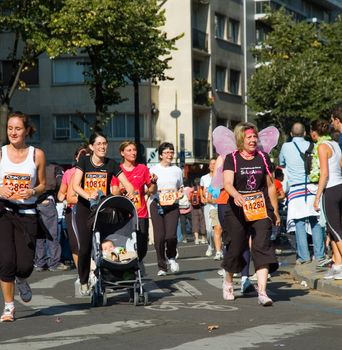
[
  {"x": 268, "y": 138},
  {"x": 223, "y": 140}
]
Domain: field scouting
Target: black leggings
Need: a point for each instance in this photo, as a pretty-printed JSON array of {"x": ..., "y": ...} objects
[
  {"x": 332, "y": 203},
  {"x": 73, "y": 241},
  {"x": 142, "y": 238},
  {"x": 85, "y": 240},
  {"x": 16, "y": 253},
  {"x": 165, "y": 232}
]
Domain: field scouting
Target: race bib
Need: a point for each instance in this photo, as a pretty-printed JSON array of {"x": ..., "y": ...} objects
[
  {"x": 136, "y": 199},
  {"x": 17, "y": 182},
  {"x": 255, "y": 206},
  {"x": 168, "y": 197},
  {"x": 94, "y": 182}
]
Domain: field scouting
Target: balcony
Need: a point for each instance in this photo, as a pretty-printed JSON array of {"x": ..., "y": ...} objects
[
  {"x": 201, "y": 89},
  {"x": 199, "y": 40}
]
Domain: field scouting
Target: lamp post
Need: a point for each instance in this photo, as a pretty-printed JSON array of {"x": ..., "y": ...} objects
[{"x": 176, "y": 114}]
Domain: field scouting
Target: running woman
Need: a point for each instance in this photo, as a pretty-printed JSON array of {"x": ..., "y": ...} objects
[{"x": 22, "y": 179}]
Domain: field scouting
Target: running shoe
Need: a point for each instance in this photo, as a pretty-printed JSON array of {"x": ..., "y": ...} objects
[
  {"x": 228, "y": 291},
  {"x": 84, "y": 289},
  {"x": 221, "y": 272},
  {"x": 174, "y": 267},
  {"x": 332, "y": 272},
  {"x": 59, "y": 267},
  {"x": 209, "y": 252},
  {"x": 247, "y": 286},
  {"x": 338, "y": 276},
  {"x": 324, "y": 262},
  {"x": 8, "y": 314},
  {"x": 196, "y": 241},
  {"x": 218, "y": 256},
  {"x": 264, "y": 300},
  {"x": 203, "y": 241},
  {"x": 24, "y": 289},
  {"x": 161, "y": 273}
]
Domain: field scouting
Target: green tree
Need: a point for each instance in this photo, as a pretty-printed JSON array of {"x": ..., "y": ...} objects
[
  {"x": 123, "y": 40},
  {"x": 299, "y": 74},
  {"x": 25, "y": 25}
]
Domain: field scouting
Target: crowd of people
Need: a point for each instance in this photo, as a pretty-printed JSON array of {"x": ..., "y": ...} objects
[{"x": 237, "y": 220}]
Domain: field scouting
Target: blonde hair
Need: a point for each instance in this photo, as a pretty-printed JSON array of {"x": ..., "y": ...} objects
[{"x": 239, "y": 132}]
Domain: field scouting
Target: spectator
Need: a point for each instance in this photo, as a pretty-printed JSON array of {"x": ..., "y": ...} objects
[
  {"x": 301, "y": 196},
  {"x": 197, "y": 214},
  {"x": 185, "y": 211}
]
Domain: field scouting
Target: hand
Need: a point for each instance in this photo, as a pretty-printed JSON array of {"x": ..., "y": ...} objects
[
  {"x": 239, "y": 200},
  {"x": 276, "y": 218},
  {"x": 93, "y": 195},
  {"x": 153, "y": 178},
  {"x": 25, "y": 193},
  {"x": 316, "y": 204},
  {"x": 5, "y": 192}
]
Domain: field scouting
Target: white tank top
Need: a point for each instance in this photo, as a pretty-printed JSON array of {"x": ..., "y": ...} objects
[
  {"x": 19, "y": 175},
  {"x": 335, "y": 173}
]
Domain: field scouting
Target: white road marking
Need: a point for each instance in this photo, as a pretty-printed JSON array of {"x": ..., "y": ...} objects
[
  {"x": 249, "y": 338},
  {"x": 70, "y": 336},
  {"x": 51, "y": 282},
  {"x": 48, "y": 305},
  {"x": 185, "y": 289}
]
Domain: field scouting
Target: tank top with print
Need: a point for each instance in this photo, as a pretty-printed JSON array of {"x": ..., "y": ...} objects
[
  {"x": 335, "y": 175},
  {"x": 19, "y": 175}
]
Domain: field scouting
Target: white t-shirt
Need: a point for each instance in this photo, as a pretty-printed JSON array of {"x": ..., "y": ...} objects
[
  {"x": 169, "y": 177},
  {"x": 205, "y": 183}
]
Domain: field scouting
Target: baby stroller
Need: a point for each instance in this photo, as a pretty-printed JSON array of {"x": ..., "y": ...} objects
[{"x": 116, "y": 220}]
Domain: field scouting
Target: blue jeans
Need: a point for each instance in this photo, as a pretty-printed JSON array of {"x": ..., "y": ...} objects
[{"x": 302, "y": 239}]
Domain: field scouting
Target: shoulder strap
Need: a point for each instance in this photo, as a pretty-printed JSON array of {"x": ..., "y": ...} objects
[
  {"x": 234, "y": 160},
  {"x": 265, "y": 162},
  {"x": 310, "y": 148},
  {"x": 300, "y": 152}
]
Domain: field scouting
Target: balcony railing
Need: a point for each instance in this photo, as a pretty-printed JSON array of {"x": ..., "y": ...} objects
[{"x": 199, "y": 40}]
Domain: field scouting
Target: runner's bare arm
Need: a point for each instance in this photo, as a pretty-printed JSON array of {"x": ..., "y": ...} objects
[
  {"x": 272, "y": 193},
  {"x": 228, "y": 180}
]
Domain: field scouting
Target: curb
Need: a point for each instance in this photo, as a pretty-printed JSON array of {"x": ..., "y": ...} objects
[{"x": 315, "y": 281}]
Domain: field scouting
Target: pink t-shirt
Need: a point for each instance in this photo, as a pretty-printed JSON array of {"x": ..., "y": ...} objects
[
  {"x": 138, "y": 177},
  {"x": 67, "y": 176}
]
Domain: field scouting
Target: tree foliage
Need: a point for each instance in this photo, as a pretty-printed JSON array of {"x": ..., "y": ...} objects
[
  {"x": 299, "y": 74},
  {"x": 123, "y": 40},
  {"x": 25, "y": 24}
]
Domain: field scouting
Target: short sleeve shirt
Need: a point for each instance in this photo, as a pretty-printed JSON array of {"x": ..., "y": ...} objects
[
  {"x": 250, "y": 175},
  {"x": 138, "y": 177},
  {"x": 96, "y": 178}
]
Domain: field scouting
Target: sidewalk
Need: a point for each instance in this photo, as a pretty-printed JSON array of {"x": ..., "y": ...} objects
[{"x": 314, "y": 279}]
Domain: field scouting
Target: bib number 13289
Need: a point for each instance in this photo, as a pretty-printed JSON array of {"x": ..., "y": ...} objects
[{"x": 254, "y": 207}]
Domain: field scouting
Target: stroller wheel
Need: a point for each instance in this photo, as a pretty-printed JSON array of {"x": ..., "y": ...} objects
[
  {"x": 146, "y": 298},
  {"x": 136, "y": 298}
]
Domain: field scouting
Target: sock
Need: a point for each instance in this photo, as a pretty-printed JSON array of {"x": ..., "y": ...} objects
[{"x": 9, "y": 305}]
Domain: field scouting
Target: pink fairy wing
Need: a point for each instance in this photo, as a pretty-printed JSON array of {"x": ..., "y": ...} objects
[
  {"x": 268, "y": 139},
  {"x": 223, "y": 140},
  {"x": 217, "y": 180}
]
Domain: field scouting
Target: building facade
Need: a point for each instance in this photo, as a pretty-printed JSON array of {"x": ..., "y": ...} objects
[{"x": 210, "y": 69}]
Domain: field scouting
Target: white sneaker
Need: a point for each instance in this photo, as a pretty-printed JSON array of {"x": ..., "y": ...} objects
[
  {"x": 174, "y": 267},
  {"x": 24, "y": 289},
  {"x": 161, "y": 273},
  {"x": 221, "y": 272},
  {"x": 332, "y": 272},
  {"x": 203, "y": 241},
  {"x": 196, "y": 241},
  {"x": 209, "y": 252},
  {"x": 84, "y": 289},
  {"x": 218, "y": 256},
  {"x": 338, "y": 276}
]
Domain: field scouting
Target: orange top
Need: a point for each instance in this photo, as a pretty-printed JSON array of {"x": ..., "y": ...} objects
[
  {"x": 223, "y": 197},
  {"x": 278, "y": 185}
]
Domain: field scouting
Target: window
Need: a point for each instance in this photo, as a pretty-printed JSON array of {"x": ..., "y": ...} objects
[
  {"x": 234, "y": 82},
  {"x": 68, "y": 127},
  {"x": 233, "y": 31},
  {"x": 35, "y": 120},
  {"x": 68, "y": 71},
  {"x": 30, "y": 75},
  {"x": 219, "y": 25},
  {"x": 220, "y": 78}
]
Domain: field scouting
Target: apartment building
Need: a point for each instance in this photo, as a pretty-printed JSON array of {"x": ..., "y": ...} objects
[{"x": 210, "y": 71}]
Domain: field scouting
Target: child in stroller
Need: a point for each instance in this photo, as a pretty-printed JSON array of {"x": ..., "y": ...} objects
[{"x": 114, "y": 250}]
